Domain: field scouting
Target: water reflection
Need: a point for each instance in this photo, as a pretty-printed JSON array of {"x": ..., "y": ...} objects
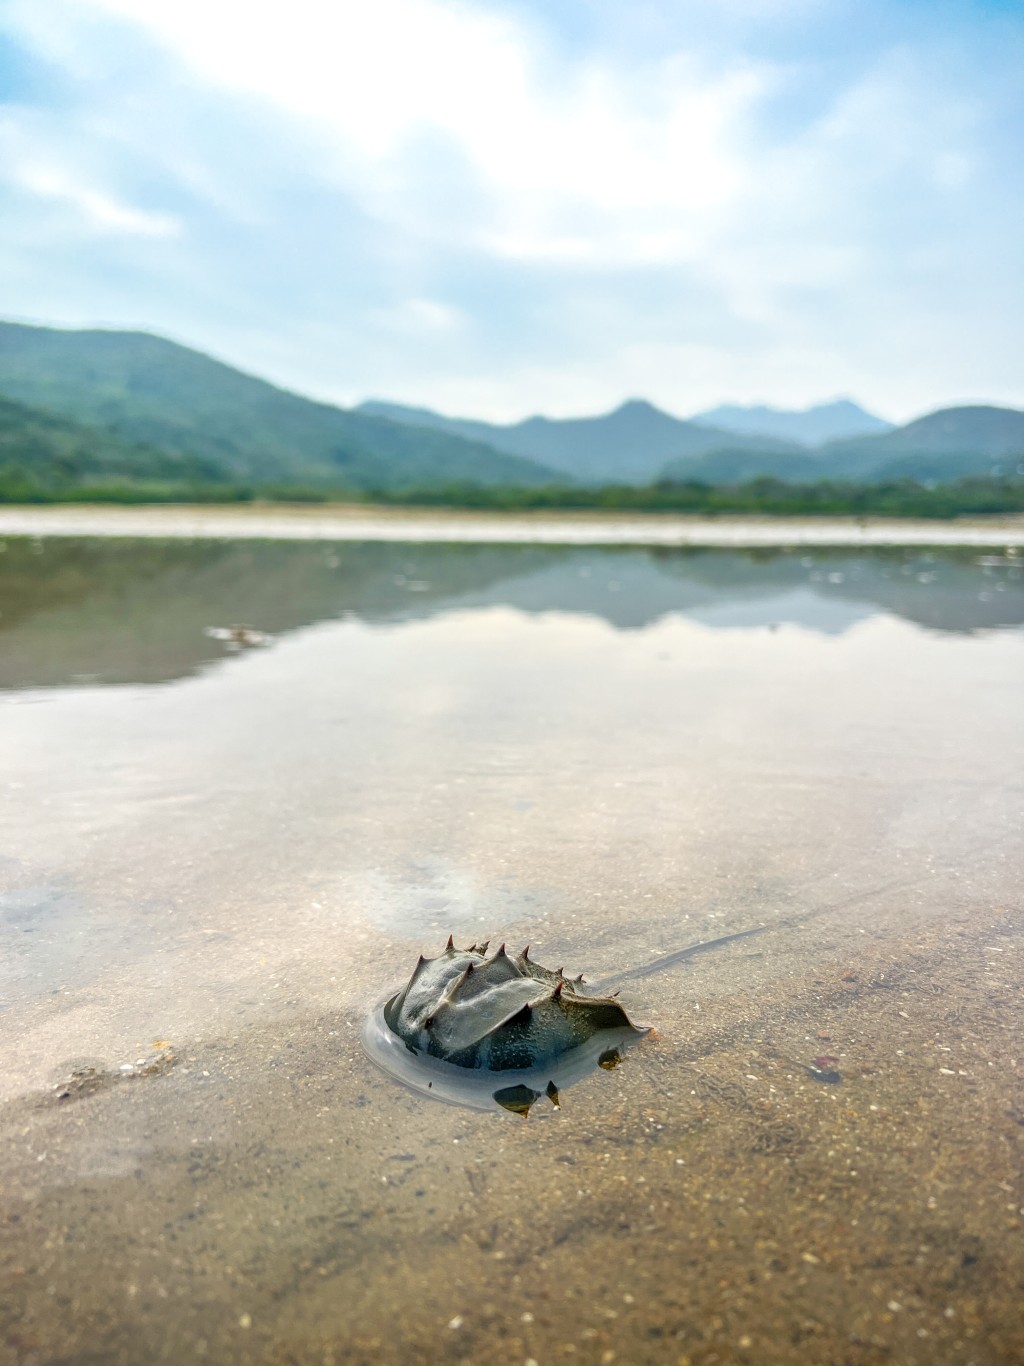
[
  {"x": 516, "y": 1089},
  {"x": 205, "y": 887},
  {"x": 109, "y": 611}
]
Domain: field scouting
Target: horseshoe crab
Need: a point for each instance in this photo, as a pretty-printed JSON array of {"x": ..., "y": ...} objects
[{"x": 468, "y": 1018}]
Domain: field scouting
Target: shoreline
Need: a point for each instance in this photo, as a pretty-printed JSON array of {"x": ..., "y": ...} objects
[{"x": 357, "y": 522}]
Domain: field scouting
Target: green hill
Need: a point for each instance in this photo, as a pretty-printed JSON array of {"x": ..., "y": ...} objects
[
  {"x": 949, "y": 444},
  {"x": 955, "y": 443},
  {"x": 222, "y": 425}
]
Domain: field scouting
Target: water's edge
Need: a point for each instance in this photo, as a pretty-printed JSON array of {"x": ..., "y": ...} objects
[{"x": 355, "y": 523}]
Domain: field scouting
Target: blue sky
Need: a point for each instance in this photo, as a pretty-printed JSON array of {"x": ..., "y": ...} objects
[{"x": 498, "y": 209}]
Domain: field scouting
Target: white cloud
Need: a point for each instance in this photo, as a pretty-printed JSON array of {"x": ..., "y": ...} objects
[
  {"x": 99, "y": 211},
  {"x": 581, "y": 161}
]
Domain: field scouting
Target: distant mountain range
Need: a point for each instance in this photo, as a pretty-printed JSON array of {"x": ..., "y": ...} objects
[
  {"x": 81, "y": 408},
  {"x": 630, "y": 445},
  {"x": 808, "y": 427},
  {"x": 638, "y": 444}
]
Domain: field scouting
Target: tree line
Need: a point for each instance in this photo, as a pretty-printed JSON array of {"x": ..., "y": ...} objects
[{"x": 975, "y": 495}]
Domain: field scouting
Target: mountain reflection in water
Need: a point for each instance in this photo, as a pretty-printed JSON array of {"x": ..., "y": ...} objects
[{"x": 115, "y": 611}]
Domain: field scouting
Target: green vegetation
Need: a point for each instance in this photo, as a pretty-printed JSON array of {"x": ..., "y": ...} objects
[
  {"x": 982, "y": 495},
  {"x": 42, "y": 453},
  {"x": 773, "y": 497}
]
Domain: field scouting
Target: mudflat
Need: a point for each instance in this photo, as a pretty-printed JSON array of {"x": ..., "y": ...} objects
[{"x": 221, "y": 852}]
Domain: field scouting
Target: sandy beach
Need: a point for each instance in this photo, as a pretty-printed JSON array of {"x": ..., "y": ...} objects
[{"x": 344, "y": 522}]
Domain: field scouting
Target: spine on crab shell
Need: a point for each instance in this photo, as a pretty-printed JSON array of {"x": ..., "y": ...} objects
[{"x": 393, "y": 1009}]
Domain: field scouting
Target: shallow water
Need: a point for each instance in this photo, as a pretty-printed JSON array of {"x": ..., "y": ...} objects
[{"x": 219, "y": 860}]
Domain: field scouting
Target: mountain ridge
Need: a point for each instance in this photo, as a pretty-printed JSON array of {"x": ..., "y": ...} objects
[
  {"x": 952, "y": 443},
  {"x": 149, "y": 391},
  {"x": 812, "y": 426},
  {"x": 948, "y": 444},
  {"x": 79, "y": 407},
  {"x": 630, "y": 444}
]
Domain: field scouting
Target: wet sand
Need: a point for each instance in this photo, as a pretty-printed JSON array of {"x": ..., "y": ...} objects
[
  {"x": 224, "y": 870},
  {"x": 341, "y": 522},
  {"x": 271, "y": 1199}
]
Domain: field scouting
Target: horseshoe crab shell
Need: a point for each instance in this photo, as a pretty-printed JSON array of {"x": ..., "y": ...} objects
[{"x": 470, "y": 1013}]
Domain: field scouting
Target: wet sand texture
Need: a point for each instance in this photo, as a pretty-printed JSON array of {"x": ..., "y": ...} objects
[{"x": 216, "y": 862}]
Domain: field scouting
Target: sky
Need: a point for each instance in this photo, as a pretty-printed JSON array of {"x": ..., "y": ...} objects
[{"x": 496, "y": 209}]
